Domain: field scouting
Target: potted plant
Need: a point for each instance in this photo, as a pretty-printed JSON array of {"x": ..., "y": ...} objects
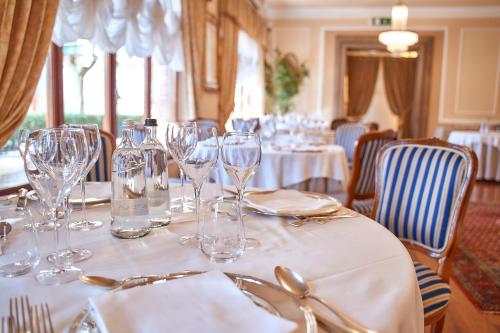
[{"x": 284, "y": 77}]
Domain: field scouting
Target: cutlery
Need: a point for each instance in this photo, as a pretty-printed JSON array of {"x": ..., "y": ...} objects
[
  {"x": 21, "y": 315},
  {"x": 41, "y": 318},
  {"x": 7, "y": 325},
  {"x": 21, "y": 201},
  {"x": 110, "y": 283},
  {"x": 295, "y": 284},
  {"x": 5, "y": 228}
]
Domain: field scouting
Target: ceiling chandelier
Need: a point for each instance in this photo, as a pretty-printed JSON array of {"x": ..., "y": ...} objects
[{"x": 398, "y": 39}]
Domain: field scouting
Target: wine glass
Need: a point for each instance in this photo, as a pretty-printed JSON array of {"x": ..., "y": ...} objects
[
  {"x": 59, "y": 157},
  {"x": 241, "y": 154},
  {"x": 93, "y": 138},
  {"x": 181, "y": 141},
  {"x": 198, "y": 166}
]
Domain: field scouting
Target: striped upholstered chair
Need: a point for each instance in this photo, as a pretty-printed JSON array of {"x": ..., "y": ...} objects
[
  {"x": 422, "y": 191},
  {"x": 346, "y": 136},
  {"x": 361, "y": 189},
  {"x": 101, "y": 172}
]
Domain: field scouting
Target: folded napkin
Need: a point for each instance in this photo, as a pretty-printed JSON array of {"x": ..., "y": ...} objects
[
  {"x": 282, "y": 201},
  {"x": 208, "y": 302},
  {"x": 94, "y": 193}
]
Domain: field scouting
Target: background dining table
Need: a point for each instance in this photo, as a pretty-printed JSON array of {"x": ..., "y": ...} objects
[
  {"x": 486, "y": 145},
  {"x": 284, "y": 165},
  {"x": 353, "y": 263}
]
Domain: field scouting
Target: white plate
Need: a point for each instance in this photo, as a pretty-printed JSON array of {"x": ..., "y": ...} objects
[{"x": 256, "y": 201}]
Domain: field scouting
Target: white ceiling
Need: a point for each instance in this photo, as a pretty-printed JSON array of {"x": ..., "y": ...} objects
[{"x": 377, "y": 3}]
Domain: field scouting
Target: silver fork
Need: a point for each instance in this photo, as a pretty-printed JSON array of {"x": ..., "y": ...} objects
[
  {"x": 20, "y": 312},
  {"x": 7, "y": 325},
  {"x": 42, "y": 319}
]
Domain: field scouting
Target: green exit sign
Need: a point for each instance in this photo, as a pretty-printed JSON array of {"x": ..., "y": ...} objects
[{"x": 381, "y": 21}]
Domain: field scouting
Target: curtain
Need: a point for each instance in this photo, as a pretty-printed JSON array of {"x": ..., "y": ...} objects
[
  {"x": 193, "y": 24},
  {"x": 142, "y": 27},
  {"x": 228, "y": 68},
  {"x": 362, "y": 76},
  {"x": 244, "y": 14},
  {"x": 25, "y": 31},
  {"x": 399, "y": 81}
]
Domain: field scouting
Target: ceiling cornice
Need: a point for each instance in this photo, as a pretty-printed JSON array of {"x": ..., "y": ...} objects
[{"x": 368, "y": 12}]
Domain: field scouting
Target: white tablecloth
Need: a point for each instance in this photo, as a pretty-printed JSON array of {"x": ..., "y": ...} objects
[
  {"x": 487, "y": 148},
  {"x": 284, "y": 168},
  {"x": 356, "y": 264},
  {"x": 310, "y": 136}
]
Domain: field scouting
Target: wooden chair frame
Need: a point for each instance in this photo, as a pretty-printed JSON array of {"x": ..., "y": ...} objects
[
  {"x": 357, "y": 163},
  {"x": 443, "y": 270}
]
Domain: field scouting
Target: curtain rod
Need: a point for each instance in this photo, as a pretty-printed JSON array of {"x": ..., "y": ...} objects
[{"x": 382, "y": 54}]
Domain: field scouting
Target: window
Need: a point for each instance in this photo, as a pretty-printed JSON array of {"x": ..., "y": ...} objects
[
  {"x": 249, "y": 94},
  {"x": 12, "y": 170},
  {"x": 130, "y": 88},
  {"x": 86, "y": 82},
  {"x": 163, "y": 99},
  {"x": 83, "y": 77}
]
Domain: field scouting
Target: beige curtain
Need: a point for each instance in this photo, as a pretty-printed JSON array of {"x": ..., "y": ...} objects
[
  {"x": 228, "y": 68},
  {"x": 399, "y": 81},
  {"x": 193, "y": 25},
  {"x": 245, "y": 15},
  {"x": 25, "y": 33},
  {"x": 362, "y": 76}
]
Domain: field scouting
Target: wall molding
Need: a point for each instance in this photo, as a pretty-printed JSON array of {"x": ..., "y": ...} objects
[
  {"x": 473, "y": 113},
  {"x": 369, "y": 12}
]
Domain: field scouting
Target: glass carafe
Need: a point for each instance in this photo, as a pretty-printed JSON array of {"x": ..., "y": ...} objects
[{"x": 129, "y": 202}]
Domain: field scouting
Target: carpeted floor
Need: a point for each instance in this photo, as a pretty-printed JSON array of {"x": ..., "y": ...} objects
[{"x": 477, "y": 261}]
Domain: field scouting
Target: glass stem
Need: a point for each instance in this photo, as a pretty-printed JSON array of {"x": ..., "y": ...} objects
[
  {"x": 183, "y": 198},
  {"x": 84, "y": 211},
  {"x": 57, "y": 258},
  {"x": 197, "y": 197},
  {"x": 241, "y": 192}
]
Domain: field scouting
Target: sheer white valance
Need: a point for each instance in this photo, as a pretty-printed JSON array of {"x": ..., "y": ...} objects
[{"x": 143, "y": 27}]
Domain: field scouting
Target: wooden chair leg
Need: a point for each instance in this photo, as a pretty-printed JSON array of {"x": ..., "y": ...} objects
[{"x": 438, "y": 326}]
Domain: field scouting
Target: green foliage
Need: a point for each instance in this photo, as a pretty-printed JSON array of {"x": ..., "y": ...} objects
[{"x": 284, "y": 78}]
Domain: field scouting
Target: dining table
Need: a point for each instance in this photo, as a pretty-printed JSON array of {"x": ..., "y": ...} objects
[
  {"x": 353, "y": 263},
  {"x": 486, "y": 145},
  {"x": 287, "y": 164}
]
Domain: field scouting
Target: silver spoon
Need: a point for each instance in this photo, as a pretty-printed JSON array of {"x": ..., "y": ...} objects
[
  {"x": 5, "y": 228},
  {"x": 101, "y": 281},
  {"x": 295, "y": 284}
]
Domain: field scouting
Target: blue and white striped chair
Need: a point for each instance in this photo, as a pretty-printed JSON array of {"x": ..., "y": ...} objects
[
  {"x": 361, "y": 189},
  {"x": 101, "y": 172},
  {"x": 346, "y": 136},
  {"x": 422, "y": 191}
]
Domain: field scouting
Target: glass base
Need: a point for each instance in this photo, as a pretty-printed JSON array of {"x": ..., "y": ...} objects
[
  {"x": 85, "y": 225},
  {"x": 56, "y": 276},
  {"x": 192, "y": 241},
  {"x": 130, "y": 233},
  {"x": 41, "y": 227},
  {"x": 158, "y": 222},
  {"x": 70, "y": 256},
  {"x": 251, "y": 243},
  {"x": 17, "y": 268}
]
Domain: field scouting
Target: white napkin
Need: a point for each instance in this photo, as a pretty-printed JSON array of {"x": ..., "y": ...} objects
[
  {"x": 282, "y": 201},
  {"x": 208, "y": 302},
  {"x": 94, "y": 191}
]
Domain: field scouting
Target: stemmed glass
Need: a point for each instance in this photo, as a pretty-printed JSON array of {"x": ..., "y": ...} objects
[
  {"x": 198, "y": 166},
  {"x": 241, "y": 154},
  {"x": 93, "y": 138},
  {"x": 59, "y": 157},
  {"x": 181, "y": 141}
]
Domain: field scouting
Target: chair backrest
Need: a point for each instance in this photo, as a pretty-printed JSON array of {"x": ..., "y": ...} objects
[
  {"x": 372, "y": 126},
  {"x": 208, "y": 123},
  {"x": 346, "y": 136},
  {"x": 245, "y": 125},
  {"x": 362, "y": 184},
  {"x": 338, "y": 122},
  {"x": 101, "y": 172},
  {"x": 422, "y": 191}
]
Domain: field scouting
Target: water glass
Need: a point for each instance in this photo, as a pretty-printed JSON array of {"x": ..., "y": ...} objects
[
  {"x": 20, "y": 252},
  {"x": 223, "y": 235}
]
